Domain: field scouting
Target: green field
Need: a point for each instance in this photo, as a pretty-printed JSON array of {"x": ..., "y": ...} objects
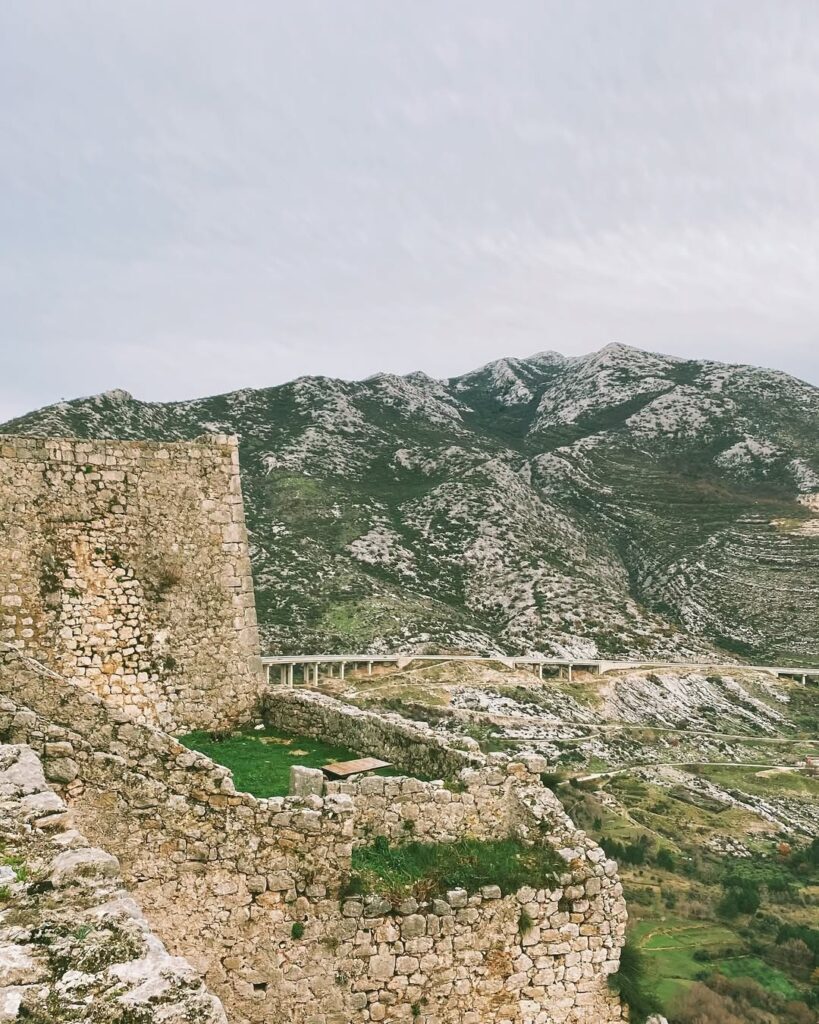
[
  {"x": 751, "y": 780},
  {"x": 767, "y": 976},
  {"x": 669, "y": 945},
  {"x": 261, "y": 759}
]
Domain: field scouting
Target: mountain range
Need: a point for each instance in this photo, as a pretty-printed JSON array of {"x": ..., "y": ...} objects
[{"x": 620, "y": 504}]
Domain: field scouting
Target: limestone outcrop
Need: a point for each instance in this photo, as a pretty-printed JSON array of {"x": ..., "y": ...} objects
[{"x": 73, "y": 942}]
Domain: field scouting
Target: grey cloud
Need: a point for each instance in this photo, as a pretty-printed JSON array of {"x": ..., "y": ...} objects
[{"x": 198, "y": 196}]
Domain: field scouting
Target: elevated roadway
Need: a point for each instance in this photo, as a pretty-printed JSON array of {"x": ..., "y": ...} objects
[{"x": 310, "y": 666}]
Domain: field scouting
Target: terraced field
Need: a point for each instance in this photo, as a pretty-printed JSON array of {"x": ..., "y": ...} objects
[{"x": 696, "y": 784}]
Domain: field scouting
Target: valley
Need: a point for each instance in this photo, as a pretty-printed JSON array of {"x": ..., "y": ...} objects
[{"x": 698, "y": 784}]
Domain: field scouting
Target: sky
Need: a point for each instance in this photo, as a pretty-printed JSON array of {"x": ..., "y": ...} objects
[{"x": 198, "y": 196}]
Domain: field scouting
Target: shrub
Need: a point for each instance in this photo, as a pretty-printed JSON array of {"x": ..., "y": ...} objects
[
  {"x": 626, "y": 853},
  {"x": 665, "y": 859},
  {"x": 297, "y": 931},
  {"x": 699, "y": 1005},
  {"x": 168, "y": 576},
  {"x": 551, "y": 780},
  {"x": 809, "y": 936},
  {"x": 722, "y": 1000},
  {"x": 669, "y": 898},
  {"x": 740, "y": 896},
  {"x": 630, "y": 983}
]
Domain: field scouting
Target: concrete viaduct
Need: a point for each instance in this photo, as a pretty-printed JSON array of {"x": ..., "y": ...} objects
[{"x": 310, "y": 665}]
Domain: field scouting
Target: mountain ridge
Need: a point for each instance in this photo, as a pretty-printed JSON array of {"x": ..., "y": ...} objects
[{"x": 618, "y": 503}]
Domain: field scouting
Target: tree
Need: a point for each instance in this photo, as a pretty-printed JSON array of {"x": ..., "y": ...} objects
[
  {"x": 665, "y": 859},
  {"x": 699, "y": 1005}
]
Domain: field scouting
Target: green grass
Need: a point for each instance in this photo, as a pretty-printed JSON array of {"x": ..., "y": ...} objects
[
  {"x": 752, "y": 967},
  {"x": 261, "y": 761},
  {"x": 430, "y": 869},
  {"x": 18, "y": 866},
  {"x": 668, "y": 947},
  {"x": 749, "y": 781}
]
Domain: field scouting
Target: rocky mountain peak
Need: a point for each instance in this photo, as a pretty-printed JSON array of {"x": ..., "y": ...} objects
[{"x": 621, "y": 503}]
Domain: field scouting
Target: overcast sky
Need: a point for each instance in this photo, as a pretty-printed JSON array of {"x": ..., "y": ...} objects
[{"x": 197, "y": 195}]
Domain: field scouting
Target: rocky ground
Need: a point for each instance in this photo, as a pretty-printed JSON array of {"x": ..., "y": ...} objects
[
  {"x": 620, "y": 503},
  {"x": 741, "y": 737},
  {"x": 74, "y": 946}
]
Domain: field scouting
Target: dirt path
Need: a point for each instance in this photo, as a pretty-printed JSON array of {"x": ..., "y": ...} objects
[{"x": 680, "y": 764}]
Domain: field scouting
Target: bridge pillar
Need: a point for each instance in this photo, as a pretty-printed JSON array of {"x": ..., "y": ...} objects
[
  {"x": 540, "y": 670},
  {"x": 369, "y": 668},
  {"x": 570, "y": 673},
  {"x": 342, "y": 668},
  {"x": 315, "y": 674},
  {"x": 290, "y": 674}
]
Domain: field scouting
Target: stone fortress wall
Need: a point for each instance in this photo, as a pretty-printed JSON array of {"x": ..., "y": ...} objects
[
  {"x": 124, "y": 573},
  {"x": 308, "y": 713},
  {"x": 223, "y": 877},
  {"x": 124, "y": 566},
  {"x": 76, "y": 936}
]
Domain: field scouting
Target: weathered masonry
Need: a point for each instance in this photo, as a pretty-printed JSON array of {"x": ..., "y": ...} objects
[
  {"x": 126, "y": 614},
  {"x": 124, "y": 567},
  {"x": 78, "y": 924},
  {"x": 251, "y": 891}
]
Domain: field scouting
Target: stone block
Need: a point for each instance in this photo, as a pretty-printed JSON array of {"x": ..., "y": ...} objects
[{"x": 306, "y": 781}]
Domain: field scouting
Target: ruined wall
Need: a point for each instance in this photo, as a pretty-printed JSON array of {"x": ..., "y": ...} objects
[
  {"x": 223, "y": 877},
  {"x": 404, "y": 808},
  {"x": 413, "y": 747},
  {"x": 70, "y": 934},
  {"x": 124, "y": 566}
]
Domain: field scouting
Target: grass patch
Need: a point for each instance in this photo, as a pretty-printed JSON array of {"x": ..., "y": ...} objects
[
  {"x": 425, "y": 870},
  {"x": 18, "y": 866},
  {"x": 261, "y": 760},
  {"x": 668, "y": 947},
  {"x": 749, "y": 780},
  {"x": 752, "y": 967}
]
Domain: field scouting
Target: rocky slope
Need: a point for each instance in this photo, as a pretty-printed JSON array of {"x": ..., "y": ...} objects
[
  {"x": 620, "y": 503},
  {"x": 674, "y": 728},
  {"x": 74, "y": 946}
]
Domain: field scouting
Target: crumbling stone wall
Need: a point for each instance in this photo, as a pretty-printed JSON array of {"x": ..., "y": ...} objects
[
  {"x": 403, "y": 808},
  {"x": 223, "y": 878},
  {"x": 413, "y": 747},
  {"x": 124, "y": 566},
  {"x": 70, "y": 934}
]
